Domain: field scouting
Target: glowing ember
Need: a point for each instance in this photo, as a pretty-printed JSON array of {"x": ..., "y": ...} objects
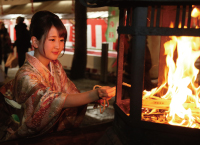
[{"x": 180, "y": 101}]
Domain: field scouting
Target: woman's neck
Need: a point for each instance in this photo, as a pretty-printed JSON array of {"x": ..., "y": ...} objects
[{"x": 45, "y": 61}]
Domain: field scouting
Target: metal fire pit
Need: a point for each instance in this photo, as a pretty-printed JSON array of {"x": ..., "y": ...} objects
[{"x": 136, "y": 20}]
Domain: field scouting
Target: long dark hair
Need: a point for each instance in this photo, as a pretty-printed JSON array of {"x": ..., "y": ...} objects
[{"x": 41, "y": 23}]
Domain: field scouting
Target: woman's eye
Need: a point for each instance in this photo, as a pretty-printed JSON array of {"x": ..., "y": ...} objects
[
  {"x": 52, "y": 39},
  {"x": 62, "y": 40}
]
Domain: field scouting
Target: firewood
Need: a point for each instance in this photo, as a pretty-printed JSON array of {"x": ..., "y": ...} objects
[
  {"x": 125, "y": 84},
  {"x": 164, "y": 104}
]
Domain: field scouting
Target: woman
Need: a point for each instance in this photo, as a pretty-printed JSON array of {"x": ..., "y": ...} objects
[{"x": 50, "y": 100}]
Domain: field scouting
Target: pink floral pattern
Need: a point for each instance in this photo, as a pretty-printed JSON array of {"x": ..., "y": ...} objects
[{"x": 42, "y": 94}]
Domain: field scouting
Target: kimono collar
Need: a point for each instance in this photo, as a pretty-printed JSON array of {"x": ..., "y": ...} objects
[{"x": 37, "y": 64}]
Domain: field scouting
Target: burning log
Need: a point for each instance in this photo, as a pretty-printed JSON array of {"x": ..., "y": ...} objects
[{"x": 164, "y": 104}]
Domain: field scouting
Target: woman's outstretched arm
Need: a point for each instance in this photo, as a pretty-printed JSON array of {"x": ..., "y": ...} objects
[{"x": 74, "y": 100}]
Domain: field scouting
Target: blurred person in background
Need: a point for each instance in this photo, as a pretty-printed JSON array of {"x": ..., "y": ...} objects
[
  {"x": 22, "y": 40},
  {"x": 5, "y": 45}
]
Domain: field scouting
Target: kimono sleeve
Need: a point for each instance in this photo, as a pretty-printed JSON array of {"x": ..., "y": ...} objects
[{"x": 42, "y": 106}]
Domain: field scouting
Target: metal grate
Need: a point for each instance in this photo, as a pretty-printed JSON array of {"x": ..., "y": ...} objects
[{"x": 136, "y": 21}]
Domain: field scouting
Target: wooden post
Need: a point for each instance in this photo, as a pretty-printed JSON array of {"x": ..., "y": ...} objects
[{"x": 104, "y": 63}]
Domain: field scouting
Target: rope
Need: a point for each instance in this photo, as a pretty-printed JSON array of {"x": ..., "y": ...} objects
[{"x": 101, "y": 104}]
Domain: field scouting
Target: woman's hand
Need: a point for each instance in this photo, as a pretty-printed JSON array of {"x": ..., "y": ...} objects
[{"x": 106, "y": 92}]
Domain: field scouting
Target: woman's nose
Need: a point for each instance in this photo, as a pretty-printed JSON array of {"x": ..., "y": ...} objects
[{"x": 57, "y": 45}]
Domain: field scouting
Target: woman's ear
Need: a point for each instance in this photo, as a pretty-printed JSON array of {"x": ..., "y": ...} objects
[{"x": 35, "y": 42}]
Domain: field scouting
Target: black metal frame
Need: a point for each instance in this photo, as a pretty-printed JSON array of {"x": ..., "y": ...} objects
[{"x": 130, "y": 128}]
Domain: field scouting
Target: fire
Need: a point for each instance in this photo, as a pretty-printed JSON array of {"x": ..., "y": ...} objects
[
  {"x": 195, "y": 12},
  {"x": 182, "y": 76},
  {"x": 195, "y": 16},
  {"x": 181, "y": 89}
]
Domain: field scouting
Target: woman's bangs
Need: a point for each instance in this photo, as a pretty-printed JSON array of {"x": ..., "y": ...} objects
[
  {"x": 62, "y": 33},
  {"x": 61, "y": 30}
]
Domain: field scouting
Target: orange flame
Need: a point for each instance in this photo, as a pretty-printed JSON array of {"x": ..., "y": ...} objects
[
  {"x": 181, "y": 76},
  {"x": 195, "y": 12},
  {"x": 180, "y": 80}
]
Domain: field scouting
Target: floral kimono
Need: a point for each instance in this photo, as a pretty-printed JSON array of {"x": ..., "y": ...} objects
[{"x": 41, "y": 94}]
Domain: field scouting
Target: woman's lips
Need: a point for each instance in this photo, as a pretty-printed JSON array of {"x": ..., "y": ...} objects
[{"x": 55, "y": 53}]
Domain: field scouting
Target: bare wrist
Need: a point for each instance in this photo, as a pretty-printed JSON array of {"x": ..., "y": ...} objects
[{"x": 98, "y": 94}]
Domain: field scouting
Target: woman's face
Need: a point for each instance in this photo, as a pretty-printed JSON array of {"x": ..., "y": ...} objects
[{"x": 53, "y": 45}]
